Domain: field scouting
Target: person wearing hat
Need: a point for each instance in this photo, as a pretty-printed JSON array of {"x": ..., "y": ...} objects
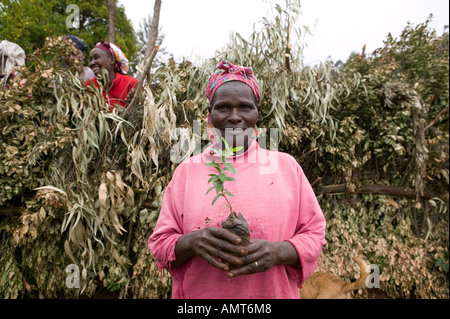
[
  {"x": 107, "y": 59},
  {"x": 78, "y": 56},
  {"x": 285, "y": 221},
  {"x": 12, "y": 56}
]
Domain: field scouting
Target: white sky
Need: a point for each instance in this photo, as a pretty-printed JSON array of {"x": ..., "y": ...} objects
[{"x": 200, "y": 27}]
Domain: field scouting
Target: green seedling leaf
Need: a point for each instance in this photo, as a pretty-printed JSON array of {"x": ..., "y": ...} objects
[
  {"x": 228, "y": 193},
  {"x": 220, "y": 178},
  {"x": 227, "y": 153},
  {"x": 229, "y": 167},
  {"x": 209, "y": 190},
  {"x": 218, "y": 152},
  {"x": 219, "y": 187},
  {"x": 225, "y": 143},
  {"x": 235, "y": 149},
  {"x": 228, "y": 179},
  {"x": 213, "y": 164},
  {"x": 213, "y": 179},
  {"x": 215, "y": 198}
]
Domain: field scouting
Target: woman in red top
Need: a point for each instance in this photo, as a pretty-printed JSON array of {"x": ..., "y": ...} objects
[{"x": 117, "y": 85}]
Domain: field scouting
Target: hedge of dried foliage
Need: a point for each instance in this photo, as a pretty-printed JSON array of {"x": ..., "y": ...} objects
[
  {"x": 80, "y": 176},
  {"x": 81, "y": 185}
]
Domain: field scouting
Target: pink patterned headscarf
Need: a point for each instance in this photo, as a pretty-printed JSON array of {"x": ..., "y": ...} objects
[{"x": 228, "y": 72}]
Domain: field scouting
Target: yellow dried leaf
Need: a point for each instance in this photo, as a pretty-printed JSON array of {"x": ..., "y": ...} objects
[
  {"x": 103, "y": 195},
  {"x": 23, "y": 230},
  {"x": 119, "y": 181},
  {"x": 392, "y": 203},
  {"x": 129, "y": 198},
  {"x": 42, "y": 213},
  {"x": 68, "y": 252},
  {"x": 110, "y": 177},
  {"x": 116, "y": 256}
]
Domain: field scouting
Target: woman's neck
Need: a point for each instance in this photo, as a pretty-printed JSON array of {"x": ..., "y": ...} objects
[{"x": 111, "y": 78}]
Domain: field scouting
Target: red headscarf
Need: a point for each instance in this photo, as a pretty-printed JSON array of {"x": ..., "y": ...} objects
[{"x": 121, "y": 64}]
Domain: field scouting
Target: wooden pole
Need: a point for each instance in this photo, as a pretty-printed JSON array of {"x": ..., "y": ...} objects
[
  {"x": 112, "y": 20},
  {"x": 381, "y": 190},
  {"x": 148, "y": 58},
  {"x": 154, "y": 30}
]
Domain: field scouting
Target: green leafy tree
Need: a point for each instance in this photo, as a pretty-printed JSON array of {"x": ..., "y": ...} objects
[{"x": 29, "y": 22}]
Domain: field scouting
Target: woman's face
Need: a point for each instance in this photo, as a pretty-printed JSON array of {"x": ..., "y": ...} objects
[
  {"x": 234, "y": 112},
  {"x": 99, "y": 59},
  {"x": 74, "y": 57}
]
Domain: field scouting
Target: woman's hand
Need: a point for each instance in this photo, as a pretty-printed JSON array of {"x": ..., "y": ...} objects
[
  {"x": 217, "y": 246},
  {"x": 263, "y": 255}
]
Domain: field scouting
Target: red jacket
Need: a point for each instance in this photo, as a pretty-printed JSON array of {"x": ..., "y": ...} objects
[{"x": 118, "y": 93}]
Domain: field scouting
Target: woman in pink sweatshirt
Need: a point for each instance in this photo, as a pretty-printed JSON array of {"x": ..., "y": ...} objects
[{"x": 287, "y": 226}]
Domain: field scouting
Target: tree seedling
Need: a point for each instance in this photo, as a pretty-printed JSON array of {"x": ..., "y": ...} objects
[{"x": 234, "y": 222}]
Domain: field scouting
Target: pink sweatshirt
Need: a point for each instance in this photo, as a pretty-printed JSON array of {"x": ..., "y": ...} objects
[{"x": 276, "y": 199}]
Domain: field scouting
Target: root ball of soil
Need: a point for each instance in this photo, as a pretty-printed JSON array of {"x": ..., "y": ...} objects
[{"x": 239, "y": 226}]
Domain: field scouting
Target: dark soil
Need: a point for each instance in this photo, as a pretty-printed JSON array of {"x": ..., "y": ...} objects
[{"x": 239, "y": 226}]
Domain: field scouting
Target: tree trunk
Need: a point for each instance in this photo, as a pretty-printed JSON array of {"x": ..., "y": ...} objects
[
  {"x": 150, "y": 54},
  {"x": 112, "y": 20},
  {"x": 9, "y": 211},
  {"x": 153, "y": 31}
]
